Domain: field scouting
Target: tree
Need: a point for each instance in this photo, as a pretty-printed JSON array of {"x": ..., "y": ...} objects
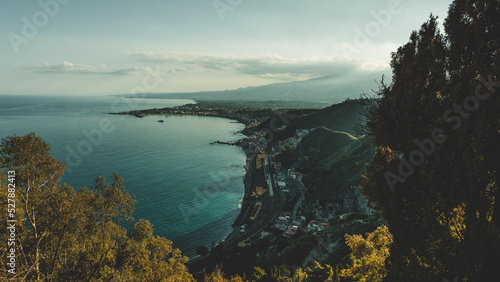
[
  {"x": 37, "y": 176},
  {"x": 473, "y": 28},
  {"x": 150, "y": 258},
  {"x": 435, "y": 174},
  {"x": 401, "y": 179},
  {"x": 258, "y": 273},
  {"x": 318, "y": 272},
  {"x": 368, "y": 255},
  {"x": 65, "y": 235},
  {"x": 218, "y": 276}
]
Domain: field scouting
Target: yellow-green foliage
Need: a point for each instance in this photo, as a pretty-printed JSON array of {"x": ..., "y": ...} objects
[
  {"x": 218, "y": 276},
  {"x": 316, "y": 272},
  {"x": 368, "y": 255},
  {"x": 259, "y": 191},
  {"x": 65, "y": 235}
]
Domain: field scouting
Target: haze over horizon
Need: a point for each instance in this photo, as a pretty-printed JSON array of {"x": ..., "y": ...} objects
[{"x": 65, "y": 47}]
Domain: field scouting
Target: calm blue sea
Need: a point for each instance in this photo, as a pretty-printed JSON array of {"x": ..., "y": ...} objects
[{"x": 186, "y": 187}]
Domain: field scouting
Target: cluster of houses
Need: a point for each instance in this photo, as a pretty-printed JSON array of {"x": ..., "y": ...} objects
[
  {"x": 257, "y": 142},
  {"x": 295, "y": 174},
  {"x": 295, "y": 140},
  {"x": 285, "y": 222},
  {"x": 290, "y": 228}
]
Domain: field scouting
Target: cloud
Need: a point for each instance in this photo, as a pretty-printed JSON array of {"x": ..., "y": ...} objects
[
  {"x": 67, "y": 67},
  {"x": 270, "y": 66},
  {"x": 287, "y": 76}
]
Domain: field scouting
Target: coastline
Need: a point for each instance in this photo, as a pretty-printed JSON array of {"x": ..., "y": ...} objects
[
  {"x": 247, "y": 182},
  {"x": 251, "y": 118},
  {"x": 195, "y": 259}
]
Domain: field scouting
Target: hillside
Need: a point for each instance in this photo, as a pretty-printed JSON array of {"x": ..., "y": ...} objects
[
  {"x": 332, "y": 163},
  {"x": 327, "y": 246},
  {"x": 331, "y": 158},
  {"x": 324, "y": 147},
  {"x": 345, "y": 116}
]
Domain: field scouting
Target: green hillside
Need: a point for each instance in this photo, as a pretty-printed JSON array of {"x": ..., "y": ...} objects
[
  {"x": 345, "y": 116},
  {"x": 331, "y": 157},
  {"x": 324, "y": 147}
]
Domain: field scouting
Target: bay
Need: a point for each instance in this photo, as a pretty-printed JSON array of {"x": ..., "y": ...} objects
[{"x": 188, "y": 188}]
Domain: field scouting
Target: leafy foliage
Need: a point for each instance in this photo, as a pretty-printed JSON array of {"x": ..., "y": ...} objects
[
  {"x": 368, "y": 255},
  {"x": 65, "y": 235}
]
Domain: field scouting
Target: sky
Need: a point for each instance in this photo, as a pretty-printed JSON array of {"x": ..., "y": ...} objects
[{"x": 96, "y": 47}]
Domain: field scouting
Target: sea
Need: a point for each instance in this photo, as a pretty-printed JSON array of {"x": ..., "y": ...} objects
[{"x": 188, "y": 188}]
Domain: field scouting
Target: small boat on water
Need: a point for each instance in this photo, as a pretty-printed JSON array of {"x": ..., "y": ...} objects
[{"x": 161, "y": 120}]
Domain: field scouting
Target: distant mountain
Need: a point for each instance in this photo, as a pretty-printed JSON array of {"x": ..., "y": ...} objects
[{"x": 328, "y": 89}]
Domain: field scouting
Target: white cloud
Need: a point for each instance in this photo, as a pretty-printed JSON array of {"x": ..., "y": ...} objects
[
  {"x": 287, "y": 76},
  {"x": 270, "y": 66},
  {"x": 67, "y": 67}
]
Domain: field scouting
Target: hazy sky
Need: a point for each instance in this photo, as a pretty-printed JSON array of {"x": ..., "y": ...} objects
[{"x": 121, "y": 46}]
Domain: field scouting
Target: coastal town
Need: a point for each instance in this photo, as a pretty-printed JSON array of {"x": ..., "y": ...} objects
[
  {"x": 282, "y": 190},
  {"x": 247, "y": 115},
  {"x": 273, "y": 193}
]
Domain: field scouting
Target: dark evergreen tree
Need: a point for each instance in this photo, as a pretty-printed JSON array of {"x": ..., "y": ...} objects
[
  {"x": 436, "y": 171},
  {"x": 473, "y": 29}
]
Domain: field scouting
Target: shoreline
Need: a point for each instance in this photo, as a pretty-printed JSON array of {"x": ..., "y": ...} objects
[
  {"x": 247, "y": 180},
  {"x": 234, "y": 234},
  {"x": 243, "y": 201},
  {"x": 251, "y": 119}
]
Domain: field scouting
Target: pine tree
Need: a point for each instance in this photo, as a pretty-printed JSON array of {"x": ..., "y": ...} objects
[
  {"x": 436, "y": 171},
  {"x": 474, "y": 67}
]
